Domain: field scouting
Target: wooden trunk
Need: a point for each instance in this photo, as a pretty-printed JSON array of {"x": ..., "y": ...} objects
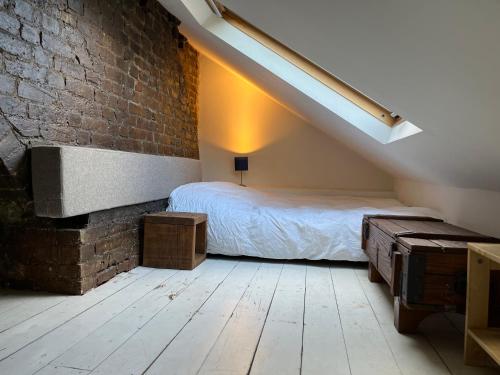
[{"x": 424, "y": 261}]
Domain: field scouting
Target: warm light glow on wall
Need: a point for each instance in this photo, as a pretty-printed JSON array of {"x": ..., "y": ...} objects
[
  {"x": 237, "y": 118},
  {"x": 245, "y": 112},
  {"x": 243, "y": 135}
]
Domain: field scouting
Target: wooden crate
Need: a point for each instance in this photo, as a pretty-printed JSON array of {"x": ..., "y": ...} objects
[
  {"x": 424, "y": 261},
  {"x": 175, "y": 240},
  {"x": 482, "y": 339}
]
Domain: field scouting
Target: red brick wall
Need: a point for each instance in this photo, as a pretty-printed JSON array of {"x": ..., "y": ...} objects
[
  {"x": 113, "y": 74},
  {"x": 78, "y": 257}
]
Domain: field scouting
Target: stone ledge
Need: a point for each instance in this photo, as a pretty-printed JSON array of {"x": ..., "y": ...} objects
[{"x": 70, "y": 181}]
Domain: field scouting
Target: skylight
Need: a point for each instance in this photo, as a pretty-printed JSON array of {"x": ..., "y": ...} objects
[
  {"x": 321, "y": 86},
  {"x": 312, "y": 69}
]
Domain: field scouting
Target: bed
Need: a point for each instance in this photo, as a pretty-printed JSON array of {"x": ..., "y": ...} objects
[{"x": 283, "y": 224}]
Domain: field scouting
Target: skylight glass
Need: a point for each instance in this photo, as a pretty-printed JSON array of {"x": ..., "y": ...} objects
[{"x": 311, "y": 80}]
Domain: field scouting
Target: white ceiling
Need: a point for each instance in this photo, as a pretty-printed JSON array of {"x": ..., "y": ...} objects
[{"x": 435, "y": 63}]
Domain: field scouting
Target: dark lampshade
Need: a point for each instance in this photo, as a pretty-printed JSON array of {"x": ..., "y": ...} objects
[{"x": 241, "y": 163}]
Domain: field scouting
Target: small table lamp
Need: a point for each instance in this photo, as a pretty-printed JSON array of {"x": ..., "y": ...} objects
[{"x": 241, "y": 164}]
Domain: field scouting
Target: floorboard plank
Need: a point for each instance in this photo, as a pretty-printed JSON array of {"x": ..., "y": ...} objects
[
  {"x": 34, "y": 305},
  {"x": 457, "y": 320},
  {"x": 280, "y": 346},
  {"x": 449, "y": 343},
  {"x": 367, "y": 348},
  {"x": 42, "y": 351},
  {"x": 13, "y": 298},
  {"x": 59, "y": 370},
  {"x": 324, "y": 349},
  {"x": 23, "y": 334},
  {"x": 141, "y": 349},
  {"x": 206, "y": 325},
  {"x": 233, "y": 351},
  {"x": 115, "y": 332},
  {"x": 308, "y": 319},
  {"x": 413, "y": 353}
]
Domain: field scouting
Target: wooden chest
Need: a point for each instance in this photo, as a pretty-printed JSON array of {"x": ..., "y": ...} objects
[{"x": 424, "y": 261}]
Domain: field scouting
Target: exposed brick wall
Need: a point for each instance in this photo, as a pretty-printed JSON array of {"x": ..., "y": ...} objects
[
  {"x": 111, "y": 74},
  {"x": 76, "y": 259}
]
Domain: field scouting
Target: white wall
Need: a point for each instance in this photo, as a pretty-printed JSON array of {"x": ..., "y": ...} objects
[
  {"x": 237, "y": 118},
  {"x": 474, "y": 209}
]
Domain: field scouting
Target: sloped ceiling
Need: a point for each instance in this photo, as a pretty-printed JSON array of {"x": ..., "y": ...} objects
[{"x": 435, "y": 63}]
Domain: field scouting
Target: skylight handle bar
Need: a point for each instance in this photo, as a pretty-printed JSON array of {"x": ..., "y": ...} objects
[
  {"x": 316, "y": 72},
  {"x": 214, "y": 8}
]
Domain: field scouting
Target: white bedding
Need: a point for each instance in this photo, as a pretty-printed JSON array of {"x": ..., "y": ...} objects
[{"x": 283, "y": 225}]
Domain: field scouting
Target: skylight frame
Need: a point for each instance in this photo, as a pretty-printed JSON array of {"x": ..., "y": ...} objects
[
  {"x": 312, "y": 87},
  {"x": 315, "y": 71}
]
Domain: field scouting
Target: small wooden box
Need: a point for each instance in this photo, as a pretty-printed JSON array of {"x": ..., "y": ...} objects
[
  {"x": 175, "y": 240},
  {"x": 424, "y": 261}
]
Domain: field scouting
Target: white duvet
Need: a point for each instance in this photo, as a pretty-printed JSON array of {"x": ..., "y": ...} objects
[{"x": 283, "y": 225}]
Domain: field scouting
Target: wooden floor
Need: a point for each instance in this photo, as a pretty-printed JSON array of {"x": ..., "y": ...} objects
[{"x": 228, "y": 316}]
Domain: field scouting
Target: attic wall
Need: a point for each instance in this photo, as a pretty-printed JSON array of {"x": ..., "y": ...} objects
[
  {"x": 474, "y": 209},
  {"x": 436, "y": 63},
  {"x": 110, "y": 74},
  {"x": 284, "y": 150}
]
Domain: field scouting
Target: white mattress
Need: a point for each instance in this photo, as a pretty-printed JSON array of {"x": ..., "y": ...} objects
[{"x": 283, "y": 225}]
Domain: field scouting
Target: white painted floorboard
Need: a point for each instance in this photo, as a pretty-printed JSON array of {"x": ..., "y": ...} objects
[
  {"x": 449, "y": 343},
  {"x": 140, "y": 351},
  {"x": 33, "y": 305},
  {"x": 234, "y": 349},
  {"x": 54, "y": 370},
  {"x": 413, "y": 353},
  {"x": 37, "y": 355},
  {"x": 228, "y": 316},
  {"x": 324, "y": 350},
  {"x": 280, "y": 346},
  {"x": 205, "y": 326},
  {"x": 367, "y": 348},
  {"x": 25, "y": 333},
  {"x": 116, "y": 331},
  {"x": 17, "y": 299}
]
